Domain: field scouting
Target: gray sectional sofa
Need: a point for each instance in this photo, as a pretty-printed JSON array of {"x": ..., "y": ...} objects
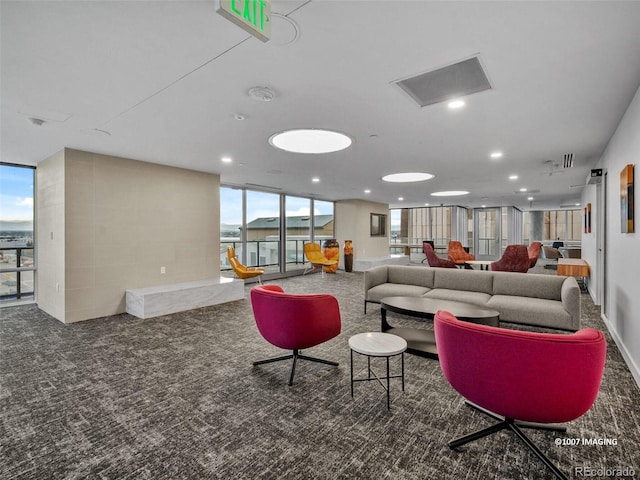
[{"x": 524, "y": 298}]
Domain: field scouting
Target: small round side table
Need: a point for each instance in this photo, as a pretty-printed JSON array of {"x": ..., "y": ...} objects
[{"x": 378, "y": 344}]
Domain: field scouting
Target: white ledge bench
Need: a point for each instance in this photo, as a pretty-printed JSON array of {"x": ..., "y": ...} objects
[
  {"x": 165, "y": 299},
  {"x": 364, "y": 264}
]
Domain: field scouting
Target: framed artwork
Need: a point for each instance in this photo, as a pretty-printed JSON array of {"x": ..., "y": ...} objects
[
  {"x": 626, "y": 199},
  {"x": 585, "y": 219},
  {"x": 378, "y": 225}
]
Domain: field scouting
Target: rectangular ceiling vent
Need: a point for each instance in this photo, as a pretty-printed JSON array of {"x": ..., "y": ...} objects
[
  {"x": 568, "y": 160},
  {"x": 446, "y": 83}
]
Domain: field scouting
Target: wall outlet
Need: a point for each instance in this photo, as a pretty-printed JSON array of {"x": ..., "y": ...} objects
[{"x": 163, "y": 270}]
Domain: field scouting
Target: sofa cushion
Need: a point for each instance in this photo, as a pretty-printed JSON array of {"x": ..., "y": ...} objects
[
  {"x": 527, "y": 285},
  {"x": 421, "y": 276},
  {"x": 378, "y": 292},
  {"x": 475, "y": 298},
  {"x": 531, "y": 311},
  {"x": 466, "y": 280}
]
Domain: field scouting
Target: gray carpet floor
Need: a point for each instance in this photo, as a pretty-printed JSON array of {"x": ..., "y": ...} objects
[{"x": 177, "y": 397}]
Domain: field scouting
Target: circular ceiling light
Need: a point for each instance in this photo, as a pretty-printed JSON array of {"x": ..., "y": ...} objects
[
  {"x": 496, "y": 155},
  {"x": 450, "y": 193},
  {"x": 455, "y": 104},
  {"x": 407, "y": 177},
  {"x": 283, "y": 30},
  {"x": 310, "y": 140}
]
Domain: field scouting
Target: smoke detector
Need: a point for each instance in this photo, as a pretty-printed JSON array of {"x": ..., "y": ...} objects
[{"x": 262, "y": 94}]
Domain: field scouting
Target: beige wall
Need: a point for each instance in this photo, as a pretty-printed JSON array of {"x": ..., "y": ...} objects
[
  {"x": 352, "y": 223},
  {"x": 49, "y": 232},
  {"x": 123, "y": 221}
]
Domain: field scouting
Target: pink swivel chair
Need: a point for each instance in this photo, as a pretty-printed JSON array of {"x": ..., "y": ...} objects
[
  {"x": 514, "y": 259},
  {"x": 434, "y": 260},
  {"x": 521, "y": 376},
  {"x": 294, "y": 322}
]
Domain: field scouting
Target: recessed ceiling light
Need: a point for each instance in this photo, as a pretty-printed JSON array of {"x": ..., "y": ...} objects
[
  {"x": 496, "y": 155},
  {"x": 406, "y": 177},
  {"x": 310, "y": 140},
  {"x": 513, "y": 177},
  {"x": 400, "y": 199},
  {"x": 315, "y": 179},
  {"x": 226, "y": 159},
  {"x": 456, "y": 104},
  {"x": 523, "y": 189},
  {"x": 529, "y": 198},
  {"x": 450, "y": 193},
  {"x": 577, "y": 204},
  {"x": 483, "y": 206},
  {"x": 426, "y": 204},
  {"x": 367, "y": 191}
]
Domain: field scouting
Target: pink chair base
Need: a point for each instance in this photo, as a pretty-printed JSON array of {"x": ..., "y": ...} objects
[{"x": 295, "y": 356}]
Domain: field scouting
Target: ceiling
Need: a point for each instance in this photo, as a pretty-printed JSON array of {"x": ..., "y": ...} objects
[{"x": 167, "y": 80}]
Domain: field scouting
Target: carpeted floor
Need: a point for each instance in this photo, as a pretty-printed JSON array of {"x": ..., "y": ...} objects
[{"x": 176, "y": 397}]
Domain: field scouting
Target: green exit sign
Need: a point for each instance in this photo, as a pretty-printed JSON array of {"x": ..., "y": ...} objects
[{"x": 254, "y": 16}]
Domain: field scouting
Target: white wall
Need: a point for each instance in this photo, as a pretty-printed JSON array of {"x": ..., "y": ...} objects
[
  {"x": 352, "y": 222},
  {"x": 120, "y": 222},
  {"x": 622, "y": 250}
]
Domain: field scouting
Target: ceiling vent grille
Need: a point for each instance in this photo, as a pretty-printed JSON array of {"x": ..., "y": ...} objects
[
  {"x": 446, "y": 83},
  {"x": 568, "y": 160}
]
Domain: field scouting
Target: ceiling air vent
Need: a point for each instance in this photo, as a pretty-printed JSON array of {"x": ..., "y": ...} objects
[
  {"x": 568, "y": 160},
  {"x": 446, "y": 83}
]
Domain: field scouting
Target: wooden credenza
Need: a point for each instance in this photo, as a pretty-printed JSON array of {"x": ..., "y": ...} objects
[{"x": 574, "y": 267}]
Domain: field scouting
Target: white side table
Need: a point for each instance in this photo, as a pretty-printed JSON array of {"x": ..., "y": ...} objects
[{"x": 377, "y": 344}]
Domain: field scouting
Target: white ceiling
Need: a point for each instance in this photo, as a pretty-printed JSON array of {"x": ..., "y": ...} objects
[{"x": 165, "y": 79}]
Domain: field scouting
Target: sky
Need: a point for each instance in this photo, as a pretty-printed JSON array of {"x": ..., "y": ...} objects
[
  {"x": 262, "y": 204},
  {"x": 16, "y": 194}
]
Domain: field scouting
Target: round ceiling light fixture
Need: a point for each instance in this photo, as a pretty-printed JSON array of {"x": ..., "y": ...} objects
[
  {"x": 310, "y": 140},
  {"x": 407, "y": 177},
  {"x": 450, "y": 193}
]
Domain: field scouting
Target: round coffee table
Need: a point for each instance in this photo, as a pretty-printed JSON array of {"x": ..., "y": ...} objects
[
  {"x": 377, "y": 344},
  {"x": 422, "y": 341}
]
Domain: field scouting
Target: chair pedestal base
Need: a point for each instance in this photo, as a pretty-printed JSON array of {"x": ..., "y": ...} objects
[
  {"x": 557, "y": 427},
  {"x": 508, "y": 423},
  {"x": 295, "y": 356}
]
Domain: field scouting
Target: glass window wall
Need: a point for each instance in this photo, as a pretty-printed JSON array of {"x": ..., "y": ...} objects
[
  {"x": 17, "y": 247},
  {"x": 269, "y": 230}
]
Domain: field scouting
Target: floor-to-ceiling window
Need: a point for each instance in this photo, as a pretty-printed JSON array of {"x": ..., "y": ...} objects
[
  {"x": 231, "y": 221},
  {"x": 323, "y": 224},
  {"x": 17, "y": 248},
  {"x": 263, "y": 230},
  {"x": 298, "y": 223},
  {"x": 410, "y": 226},
  {"x": 488, "y": 233},
  {"x": 269, "y": 230},
  {"x": 563, "y": 225}
]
